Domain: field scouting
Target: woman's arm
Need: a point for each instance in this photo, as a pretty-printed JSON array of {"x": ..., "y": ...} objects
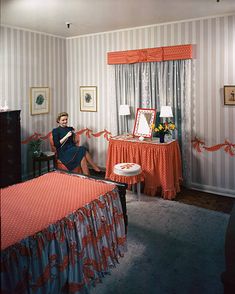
[
  {"x": 65, "y": 138},
  {"x": 57, "y": 140}
]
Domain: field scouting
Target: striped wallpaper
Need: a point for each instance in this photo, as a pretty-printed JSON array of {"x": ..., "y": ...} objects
[
  {"x": 213, "y": 67},
  {"x": 33, "y": 59}
]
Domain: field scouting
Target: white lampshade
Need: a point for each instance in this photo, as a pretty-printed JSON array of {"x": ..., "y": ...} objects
[
  {"x": 166, "y": 111},
  {"x": 124, "y": 109}
]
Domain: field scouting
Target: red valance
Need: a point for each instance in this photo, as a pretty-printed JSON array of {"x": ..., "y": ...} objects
[{"x": 151, "y": 54}]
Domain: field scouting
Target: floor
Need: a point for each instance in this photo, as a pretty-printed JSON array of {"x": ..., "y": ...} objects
[
  {"x": 206, "y": 200},
  {"x": 196, "y": 198}
]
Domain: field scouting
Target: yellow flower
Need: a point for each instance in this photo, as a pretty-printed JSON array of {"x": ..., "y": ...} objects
[
  {"x": 164, "y": 128},
  {"x": 172, "y": 126}
]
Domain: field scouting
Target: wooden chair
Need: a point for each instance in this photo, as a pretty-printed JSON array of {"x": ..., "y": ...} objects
[{"x": 59, "y": 164}]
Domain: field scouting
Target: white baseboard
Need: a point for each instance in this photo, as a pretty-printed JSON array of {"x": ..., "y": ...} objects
[{"x": 212, "y": 189}]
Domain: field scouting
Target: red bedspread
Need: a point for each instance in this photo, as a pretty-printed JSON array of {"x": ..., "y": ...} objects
[{"x": 33, "y": 205}]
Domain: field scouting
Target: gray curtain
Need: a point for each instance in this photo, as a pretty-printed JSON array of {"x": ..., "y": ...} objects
[{"x": 151, "y": 85}]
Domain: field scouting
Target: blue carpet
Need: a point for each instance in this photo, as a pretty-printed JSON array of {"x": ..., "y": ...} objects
[{"x": 173, "y": 248}]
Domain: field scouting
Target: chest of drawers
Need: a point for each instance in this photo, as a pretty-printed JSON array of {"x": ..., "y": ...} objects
[{"x": 10, "y": 148}]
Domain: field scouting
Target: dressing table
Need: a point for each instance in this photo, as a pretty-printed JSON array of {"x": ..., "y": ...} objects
[{"x": 160, "y": 162}]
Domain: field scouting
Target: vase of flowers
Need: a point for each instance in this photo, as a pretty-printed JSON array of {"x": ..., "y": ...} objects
[
  {"x": 162, "y": 137},
  {"x": 162, "y": 129}
]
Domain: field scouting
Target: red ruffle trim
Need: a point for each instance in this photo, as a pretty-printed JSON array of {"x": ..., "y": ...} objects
[
  {"x": 128, "y": 180},
  {"x": 166, "y": 194}
]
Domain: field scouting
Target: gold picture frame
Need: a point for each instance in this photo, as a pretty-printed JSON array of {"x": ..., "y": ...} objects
[
  {"x": 88, "y": 98},
  {"x": 39, "y": 100},
  {"x": 229, "y": 95}
]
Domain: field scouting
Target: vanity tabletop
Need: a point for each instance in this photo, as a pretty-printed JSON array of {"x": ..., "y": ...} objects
[{"x": 131, "y": 138}]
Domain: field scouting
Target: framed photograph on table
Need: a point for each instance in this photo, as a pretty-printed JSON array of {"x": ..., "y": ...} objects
[
  {"x": 39, "y": 100},
  {"x": 144, "y": 119},
  {"x": 88, "y": 98},
  {"x": 229, "y": 95}
]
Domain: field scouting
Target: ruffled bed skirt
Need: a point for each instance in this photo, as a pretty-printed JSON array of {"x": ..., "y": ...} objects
[{"x": 70, "y": 255}]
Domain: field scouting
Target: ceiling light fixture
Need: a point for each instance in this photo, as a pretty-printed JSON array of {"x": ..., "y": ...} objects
[{"x": 68, "y": 24}]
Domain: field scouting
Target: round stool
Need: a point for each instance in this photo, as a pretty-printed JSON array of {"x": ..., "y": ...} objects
[{"x": 129, "y": 169}]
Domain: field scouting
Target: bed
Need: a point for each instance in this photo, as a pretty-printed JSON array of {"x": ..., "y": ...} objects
[{"x": 60, "y": 233}]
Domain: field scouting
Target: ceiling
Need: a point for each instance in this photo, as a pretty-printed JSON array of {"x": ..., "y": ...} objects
[{"x": 94, "y": 16}]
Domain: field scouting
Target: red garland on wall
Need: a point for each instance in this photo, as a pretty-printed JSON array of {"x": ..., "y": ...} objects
[
  {"x": 88, "y": 133},
  {"x": 199, "y": 145}
]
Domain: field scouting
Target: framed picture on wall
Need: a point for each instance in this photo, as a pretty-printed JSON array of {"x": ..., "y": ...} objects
[
  {"x": 229, "y": 95},
  {"x": 88, "y": 98},
  {"x": 39, "y": 100}
]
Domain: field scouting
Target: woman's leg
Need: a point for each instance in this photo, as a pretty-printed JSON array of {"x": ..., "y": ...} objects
[
  {"x": 91, "y": 162},
  {"x": 84, "y": 167}
]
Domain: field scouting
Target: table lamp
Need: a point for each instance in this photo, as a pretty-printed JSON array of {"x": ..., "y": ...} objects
[
  {"x": 124, "y": 110},
  {"x": 166, "y": 112}
]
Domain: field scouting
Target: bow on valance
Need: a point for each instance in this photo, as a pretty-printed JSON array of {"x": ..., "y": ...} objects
[{"x": 151, "y": 54}]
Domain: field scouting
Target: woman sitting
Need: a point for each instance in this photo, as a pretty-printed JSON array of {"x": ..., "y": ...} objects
[{"x": 71, "y": 155}]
